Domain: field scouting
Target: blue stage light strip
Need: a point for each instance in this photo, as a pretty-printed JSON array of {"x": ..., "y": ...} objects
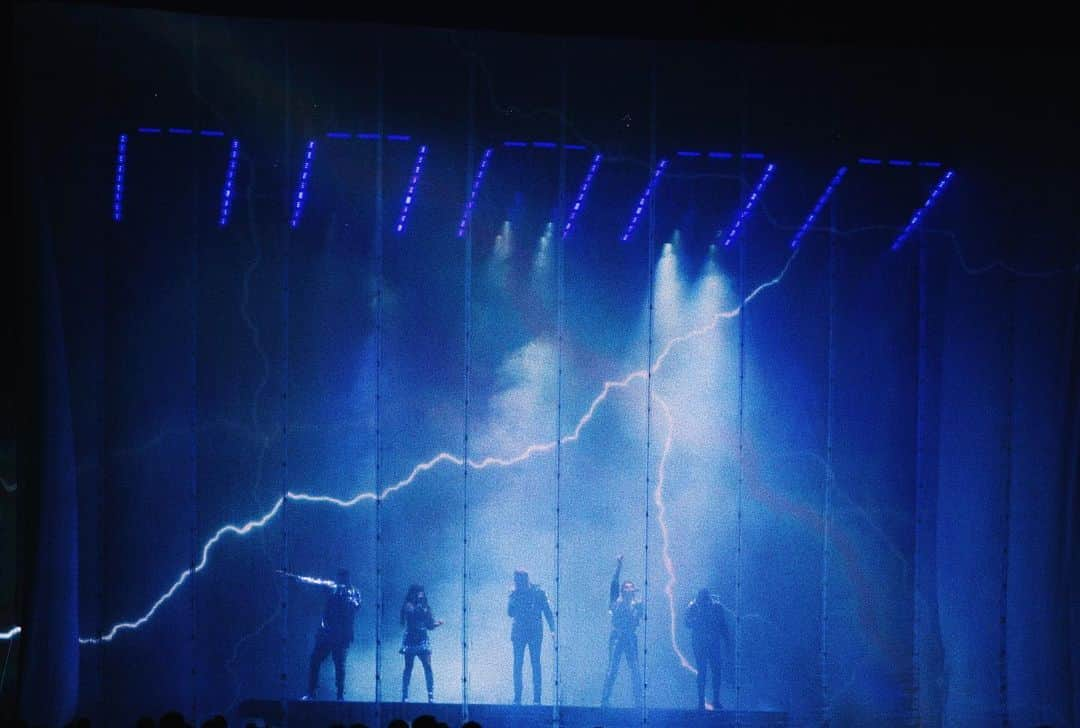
[
  {"x": 749, "y": 206},
  {"x": 644, "y": 197},
  {"x": 230, "y": 174},
  {"x": 410, "y": 193},
  {"x": 475, "y": 190},
  {"x": 817, "y": 207},
  {"x": 914, "y": 222},
  {"x": 543, "y": 145},
  {"x": 576, "y": 207},
  {"x": 174, "y": 130},
  {"x": 118, "y": 182},
  {"x": 301, "y": 189}
]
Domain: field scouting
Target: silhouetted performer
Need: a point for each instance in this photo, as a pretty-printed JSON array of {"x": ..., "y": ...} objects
[
  {"x": 626, "y": 613},
  {"x": 417, "y": 619},
  {"x": 708, "y": 627},
  {"x": 527, "y": 604},
  {"x": 335, "y": 631}
]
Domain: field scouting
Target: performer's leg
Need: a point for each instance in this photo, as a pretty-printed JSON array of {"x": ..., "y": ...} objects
[
  {"x": 339, "y": 670},
  {"x": 519, "y": 657},
  {"x": 701, "y": 659},
  {"x": 534, "y": 658},
  {"x": 322, "y": 649},
  {"x": 635, "y": 674},
  {"x": 614, "y": 655},
  {"x": 406, "y": 674},
  {"x": 429, "y": 676},
  {"x": 714, "y": 660}
]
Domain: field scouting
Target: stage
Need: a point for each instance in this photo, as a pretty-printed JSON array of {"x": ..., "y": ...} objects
[{"x": 325, "y": 713}]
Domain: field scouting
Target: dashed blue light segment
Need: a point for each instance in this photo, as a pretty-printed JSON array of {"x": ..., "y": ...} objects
[
  {"x": 899, "y": 163},
  {"x": 211, "y": 132},
  {"x": 398, "y": 137},
  {"x": 929, "y": 164},
  {"x": 301, "y": 190},
  {"x": 749, "y": 206},
  {"x": 576, "y": 207},
  {"x": 721, "y": 155},
  {"x": 367, "y": 135},
  {"x": 11, "y": 633},
  {"x": 475, "y": 190},
  {"x": 865, "y": 160},
  {"x": 688, "y": 154},
  {"x": 515, "y": 144},
  {"x": 545, "y": 145},
  {"x": 410, "y": 193},
  {"x": 148, "y": 130},
  {"x": 579, "y": 147},
  {"x": 338, "y": 135},
  {"x": 230, "y": 174},
  {"x": 913, "y": 223},
  {"x": 817, "y": 207},
  {"x": 174, "y": 130},
  {"x": 752, "y": 155},
  {"x": 644, "y": 197},
  {"x": 118, "y": 182}
]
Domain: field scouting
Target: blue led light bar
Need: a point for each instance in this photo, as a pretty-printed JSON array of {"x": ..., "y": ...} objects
[
  {"x": 148, "y": 130},
  {"x": 174, "y": 130},
  {"x": 211, "y": 132},
  {"x": 410, "y": 193},
  {"x": 817, "y": 207},
  {"x": 688, "y": 154},
  {"x": 864, "y": 160},
  {"x": 118, "y": 182},
  {"x": 301, "y": 189},
  {"x": 644, "y": 197},
  {"x": 576, "y": 208},
  {"x": 230, "y": 174},
  {"x": 475, "y": 190},
  {"x": 914, "y": 221},
  {"x": 721, "y": 155},
  {"x": 749, "y": 206}
]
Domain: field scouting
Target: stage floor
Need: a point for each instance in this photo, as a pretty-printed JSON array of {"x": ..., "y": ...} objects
[{"x": 326, "y": 713}]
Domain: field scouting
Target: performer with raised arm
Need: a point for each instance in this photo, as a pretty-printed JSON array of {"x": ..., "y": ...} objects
[
  {"x": 417, "y": 619},
  {"x": 708, "y": 626},
  {"x": 527, "y": 604},
  {"x": 335, "y": 632},
  {"x": 627, "y": 612}
]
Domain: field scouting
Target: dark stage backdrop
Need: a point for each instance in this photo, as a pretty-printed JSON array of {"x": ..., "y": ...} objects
[{"x": 433, "y": 305}]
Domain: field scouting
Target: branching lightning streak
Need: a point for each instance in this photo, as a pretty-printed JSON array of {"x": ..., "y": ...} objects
[
  {"x": 11, "y": 633},
  {"x": 665, "y": 543},
  {"x": 442, "y": 457}
]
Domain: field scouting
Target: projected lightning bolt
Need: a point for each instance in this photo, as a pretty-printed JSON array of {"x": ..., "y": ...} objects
[
  {"x": 11, "y": 633},
  {"x": 445, "y": 457},
  {"x": 665, "y": 542}
]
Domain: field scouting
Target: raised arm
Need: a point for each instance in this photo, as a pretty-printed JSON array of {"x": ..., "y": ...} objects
[{"x": 614, "y": 592}]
